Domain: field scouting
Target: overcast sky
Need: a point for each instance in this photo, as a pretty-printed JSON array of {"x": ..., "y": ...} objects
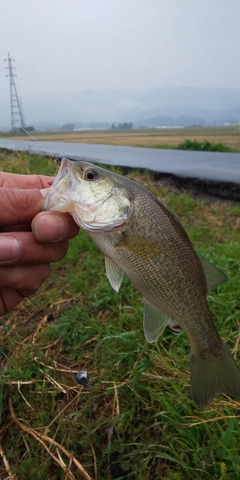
[{"x": 65, "y": 46}]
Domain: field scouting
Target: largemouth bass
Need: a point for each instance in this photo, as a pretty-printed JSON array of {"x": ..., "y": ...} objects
[{"x": 141, "y": 238}]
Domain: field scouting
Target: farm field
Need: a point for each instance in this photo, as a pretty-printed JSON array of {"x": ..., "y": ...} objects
[
  {"x": 135, "y": 419},
  {"x": 168, "y": 138}
]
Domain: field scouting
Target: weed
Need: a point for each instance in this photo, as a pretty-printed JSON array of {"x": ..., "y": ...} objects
[
  {"x": 204, "y": 146},
  {"x": 135, "y": 419}
]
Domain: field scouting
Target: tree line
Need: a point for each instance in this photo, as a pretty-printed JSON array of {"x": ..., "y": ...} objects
[{"x": 122, "y": 126}]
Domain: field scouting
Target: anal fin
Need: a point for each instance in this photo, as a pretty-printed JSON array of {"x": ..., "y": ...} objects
[{"x": 154, "y": 321}]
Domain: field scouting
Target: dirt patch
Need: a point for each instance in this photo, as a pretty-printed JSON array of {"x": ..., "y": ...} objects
[{"x": 203, "y": 189}]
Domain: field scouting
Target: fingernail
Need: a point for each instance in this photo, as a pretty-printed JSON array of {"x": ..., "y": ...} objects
[
  {"x": 9, "y": 248},
  {"x": 50, "y": 227}
]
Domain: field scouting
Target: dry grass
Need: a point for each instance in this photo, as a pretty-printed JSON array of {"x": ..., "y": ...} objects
[
  {"x": 230, "y": 136},
  {"x": 135, "y": 419}
]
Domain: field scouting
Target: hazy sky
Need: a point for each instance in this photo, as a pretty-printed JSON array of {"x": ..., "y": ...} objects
[{"x": 65, "y": 46}]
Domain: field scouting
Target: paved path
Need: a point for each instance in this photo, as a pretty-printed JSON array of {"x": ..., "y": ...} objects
[{"x": 220, "y": 167}]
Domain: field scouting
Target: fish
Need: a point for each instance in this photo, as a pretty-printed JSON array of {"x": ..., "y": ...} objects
[{"x": 142, "y": 239}]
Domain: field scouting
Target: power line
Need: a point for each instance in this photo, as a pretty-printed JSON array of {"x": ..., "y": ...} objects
[{"x": 16, "y": 108}]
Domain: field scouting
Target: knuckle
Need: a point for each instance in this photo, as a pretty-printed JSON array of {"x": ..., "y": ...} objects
[
  {"x": 16, "y": 204},
  {"x": 26, "y": 200}
]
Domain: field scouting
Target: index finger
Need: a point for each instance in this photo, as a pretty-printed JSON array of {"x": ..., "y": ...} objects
[
  {"x": 10, "y": 180},
  {"x": 19, "y": 206}
]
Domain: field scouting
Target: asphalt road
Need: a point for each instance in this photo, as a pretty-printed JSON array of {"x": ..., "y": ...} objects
[{"x": 210, "y": 166}]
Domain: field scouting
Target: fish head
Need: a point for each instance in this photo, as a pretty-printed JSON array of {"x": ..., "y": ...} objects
[{"x": 96, "y": 198}]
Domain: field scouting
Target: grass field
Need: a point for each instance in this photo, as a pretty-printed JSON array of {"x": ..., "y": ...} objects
[
  {"x": 135, "y": 419},
  {"x": 168, "y": 138}
]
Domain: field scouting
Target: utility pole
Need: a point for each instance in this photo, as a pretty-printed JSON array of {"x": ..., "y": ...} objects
[{"x": 16, "y": 110}]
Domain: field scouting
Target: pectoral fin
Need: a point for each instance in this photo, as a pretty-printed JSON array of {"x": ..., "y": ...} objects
[
  {"x": 214, "y": 276},
  {"x": 114, "y": 274},
  {"x": 154, "y": 322}
]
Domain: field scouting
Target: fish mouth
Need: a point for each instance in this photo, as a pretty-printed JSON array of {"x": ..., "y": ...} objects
[
  {"x": 81, "y": 163},
  {"x": 63, "y": 163},
  {"x": 93, "y": 208},
  {"x": 64, "y": 172},
  {"x": 61, "y": 189},
  {"x": 63, "y": 192}
]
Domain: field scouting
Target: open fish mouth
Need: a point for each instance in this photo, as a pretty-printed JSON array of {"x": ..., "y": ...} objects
[
  {"x": 59, "y": 198},
  {"x": 95, "y": 203}
]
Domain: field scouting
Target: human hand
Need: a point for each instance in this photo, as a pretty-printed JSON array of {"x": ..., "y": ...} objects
[{"x": 29, "y": 239}]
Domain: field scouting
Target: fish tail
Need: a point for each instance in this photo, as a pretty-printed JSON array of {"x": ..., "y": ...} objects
[{"x": 212, "y": 376}]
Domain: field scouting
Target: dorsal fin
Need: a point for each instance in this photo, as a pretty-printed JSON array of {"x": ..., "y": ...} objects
[{"x": 154, "y": 321}]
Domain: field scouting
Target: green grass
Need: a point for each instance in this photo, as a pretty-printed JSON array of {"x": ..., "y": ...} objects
[
  {"x": 135, "y": 419},
  {"x": 203, "y": 146},
  {"x": 190, "y": 144}
]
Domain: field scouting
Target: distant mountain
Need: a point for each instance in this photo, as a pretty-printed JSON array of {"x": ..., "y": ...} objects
[
  {"x": 167, "y": 121},
  {"x": 186, "y": 105}
]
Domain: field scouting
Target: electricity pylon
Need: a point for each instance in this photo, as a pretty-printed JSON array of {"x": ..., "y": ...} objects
[{"x": 16, "y": 110}]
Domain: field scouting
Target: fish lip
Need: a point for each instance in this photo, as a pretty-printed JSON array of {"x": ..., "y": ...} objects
[
  {"x": 65, "y": 160},
  {"x": 65, "y": 166}
]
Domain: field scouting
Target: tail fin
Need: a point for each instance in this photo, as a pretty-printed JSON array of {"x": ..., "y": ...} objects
[{"x": 214, "y": 376}]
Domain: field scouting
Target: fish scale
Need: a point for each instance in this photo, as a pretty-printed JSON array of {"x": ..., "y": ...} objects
[
  {"x": 166, "y": 296},
  {"x": 141, "y": 238}
]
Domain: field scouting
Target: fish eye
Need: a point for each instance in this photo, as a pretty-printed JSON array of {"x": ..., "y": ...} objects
[{"x": 90, "y": 175}]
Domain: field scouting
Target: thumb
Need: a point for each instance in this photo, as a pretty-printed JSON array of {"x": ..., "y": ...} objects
[{"x": 19, "y": 206}]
